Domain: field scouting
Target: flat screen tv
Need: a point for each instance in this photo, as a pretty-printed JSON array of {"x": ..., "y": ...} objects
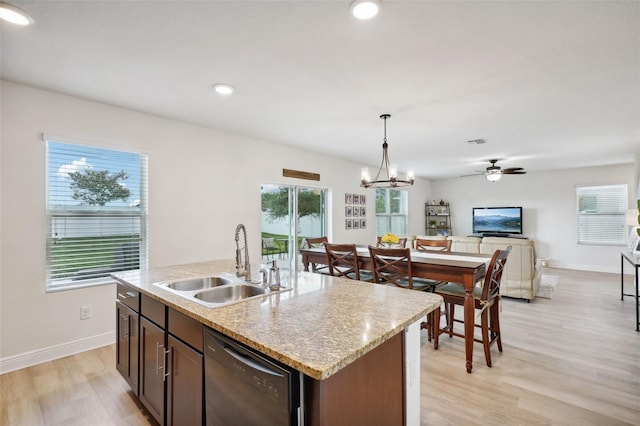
[{"x": 497, "y": 220}]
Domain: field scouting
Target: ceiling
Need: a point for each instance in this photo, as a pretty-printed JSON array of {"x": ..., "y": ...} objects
[{"x": 548, "y": 85}]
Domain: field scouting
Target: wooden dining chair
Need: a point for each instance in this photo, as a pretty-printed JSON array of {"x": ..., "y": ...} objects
[
  {"x": 486, "y": 299},
  {"x": 433, "y": 245},
  {"x": 437, "y": 246},
  {"x": 402, "y": 242},
  {"x": 393, "y": 266},
  {"x": 317, "y": 243},
  {"x": 343, "y": 261}
]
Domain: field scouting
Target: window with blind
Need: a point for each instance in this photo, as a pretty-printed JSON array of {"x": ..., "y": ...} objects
[
  {"x": 601, "y": 214},
  {"x": 96, "y": 214},
  {"x": 391, "y": 211}
]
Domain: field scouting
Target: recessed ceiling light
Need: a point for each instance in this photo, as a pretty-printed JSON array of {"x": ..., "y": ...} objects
[
  {"x": 223, "y": 88},
  {"x": 365, "y": 9},
  {"x": 14, "y": 14}
]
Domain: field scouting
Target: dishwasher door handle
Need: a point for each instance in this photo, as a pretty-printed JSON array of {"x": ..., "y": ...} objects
[
  {"x": 234, "y": 353},
  {"x": 250, "y": 362}
]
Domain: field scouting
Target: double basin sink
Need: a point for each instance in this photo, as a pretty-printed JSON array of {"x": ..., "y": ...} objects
[{"x": 215, "y": 291}]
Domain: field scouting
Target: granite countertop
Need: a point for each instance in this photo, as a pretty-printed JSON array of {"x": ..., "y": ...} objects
[{"x": 318, "y": 327}]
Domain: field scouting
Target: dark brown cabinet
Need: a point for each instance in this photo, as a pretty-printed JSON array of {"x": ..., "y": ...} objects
[
  {"x": 127, "y": 344},
  {"x": 185, "y": 384},
  {"x": 152, "y": 368},
  {"x": 159, "y": 352}
]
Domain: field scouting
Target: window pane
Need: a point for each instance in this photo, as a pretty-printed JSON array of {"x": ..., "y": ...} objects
[
  {"x": 381, "y": 201},
  {"x": 391, "y": 211},
  {"x": 96, "y": 213},
  {"x": 399, "y": 225},
  {"x": 601, "y": 212}
]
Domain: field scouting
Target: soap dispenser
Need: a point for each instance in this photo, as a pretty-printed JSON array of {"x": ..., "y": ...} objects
[{"x": 274, "y": 276}]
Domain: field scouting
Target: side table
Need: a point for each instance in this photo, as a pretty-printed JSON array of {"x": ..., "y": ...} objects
[{"x": 634, "y": 260}]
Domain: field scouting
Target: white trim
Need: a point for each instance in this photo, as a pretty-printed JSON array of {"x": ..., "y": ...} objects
[
  {"x": 51, "y": 353},
  {"x": 578, "y": 267},
  {"x": 412, "y": 373}
]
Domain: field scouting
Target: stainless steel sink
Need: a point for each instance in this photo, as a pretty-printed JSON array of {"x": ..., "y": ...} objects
[
  {"x": 230, "y": 293},
  {"x": 216, "y": 291},
  {"x": 197, "y": 283}
]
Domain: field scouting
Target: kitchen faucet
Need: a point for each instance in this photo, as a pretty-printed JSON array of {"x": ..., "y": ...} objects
[{"x": 242, "y": 271}]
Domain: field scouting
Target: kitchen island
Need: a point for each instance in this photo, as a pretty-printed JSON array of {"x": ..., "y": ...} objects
[{"x": 327, "y": 328}]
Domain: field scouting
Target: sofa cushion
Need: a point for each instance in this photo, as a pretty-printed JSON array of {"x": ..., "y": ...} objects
[
  {"x": 521, "y": 278},
  {"x": 465, "y": 244}
]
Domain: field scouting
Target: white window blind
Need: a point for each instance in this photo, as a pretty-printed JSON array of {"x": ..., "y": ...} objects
[
  {"x": 96, "y": 214},
  {"x": 391, "y": 211},
  {"x": 601, "y": 214}
]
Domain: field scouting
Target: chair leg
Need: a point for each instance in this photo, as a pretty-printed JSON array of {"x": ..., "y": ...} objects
[
  {"x": 495, "y": 324},
  {"x": 484, "y": 324},
  {"x": 450, "y": 317}
]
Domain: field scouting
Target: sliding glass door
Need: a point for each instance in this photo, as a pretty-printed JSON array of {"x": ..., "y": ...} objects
[{"x": 289, "y": 215}]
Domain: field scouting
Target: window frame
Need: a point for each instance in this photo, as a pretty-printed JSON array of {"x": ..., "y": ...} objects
[
  {"x": 388, "y": 216},
  {"x": 102, "y": 217},
  {"x": 609, "y": 204}
]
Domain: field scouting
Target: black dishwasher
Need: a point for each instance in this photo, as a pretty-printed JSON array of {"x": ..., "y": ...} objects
[{"x": 244, "y": 387}]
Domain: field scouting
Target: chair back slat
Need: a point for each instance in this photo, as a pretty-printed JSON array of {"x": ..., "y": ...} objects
[
  {"x": 493, "y": 277},
  {"x": 402, "y": 242},
  {"x": 433, "y": 245},
  {"x": 315, "y": 242},
  {"x": 392, "y": 265},
  {"x": 343, "y": 260}
]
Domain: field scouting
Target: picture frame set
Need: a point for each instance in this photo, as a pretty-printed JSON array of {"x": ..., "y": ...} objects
[{"x": 355, "y": 211}]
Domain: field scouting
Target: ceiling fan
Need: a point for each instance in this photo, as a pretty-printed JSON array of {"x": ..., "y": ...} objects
[{"x": 494, "y": 173}]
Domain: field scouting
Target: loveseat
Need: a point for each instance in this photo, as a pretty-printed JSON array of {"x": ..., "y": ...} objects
[{"x": 521, "y": 277}]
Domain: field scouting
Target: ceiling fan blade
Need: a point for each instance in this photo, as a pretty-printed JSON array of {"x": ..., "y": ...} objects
[
  {"x": 512, "y": 169},
  {"x": 513, "y": 172},
  {"x": 473, "y": 174}
]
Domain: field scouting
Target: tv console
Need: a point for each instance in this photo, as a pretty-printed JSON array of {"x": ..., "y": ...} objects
[{"x": 490, "y": 234}]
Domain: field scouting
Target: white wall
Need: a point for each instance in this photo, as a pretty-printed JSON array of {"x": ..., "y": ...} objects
[
  {"x": 202, "y": 183},
  {"x": 549, "y": 210}
]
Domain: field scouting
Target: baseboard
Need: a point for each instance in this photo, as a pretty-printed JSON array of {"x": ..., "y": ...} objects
[
  {"x": 51, "y": 353},
  {"x": 589, "y": 268}
]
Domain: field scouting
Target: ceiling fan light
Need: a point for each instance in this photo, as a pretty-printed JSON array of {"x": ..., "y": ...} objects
[
  {"x": 223, "y": 88},
  {"x": 364, "y": 9},
  {"x": 493, "y": 177},
  {"x": 14, "y": 15}
]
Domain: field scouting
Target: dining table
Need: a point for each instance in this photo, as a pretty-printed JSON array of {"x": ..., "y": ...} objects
[{"x": 463, "y": 268}]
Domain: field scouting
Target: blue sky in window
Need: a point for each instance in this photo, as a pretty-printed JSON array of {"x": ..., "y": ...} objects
[{"x": 67, "y": 158}]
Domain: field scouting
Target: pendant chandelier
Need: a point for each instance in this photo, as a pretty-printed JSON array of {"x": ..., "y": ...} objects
[{"x": 387, "y": 176}]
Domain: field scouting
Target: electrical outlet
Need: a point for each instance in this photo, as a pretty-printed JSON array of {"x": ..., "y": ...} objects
[{"x": 85, "y": 312}]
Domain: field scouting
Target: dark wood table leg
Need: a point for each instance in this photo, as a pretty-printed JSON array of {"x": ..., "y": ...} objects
[
  {"x": 305, "y": 262},
  {"x": 469, "y": 308}
]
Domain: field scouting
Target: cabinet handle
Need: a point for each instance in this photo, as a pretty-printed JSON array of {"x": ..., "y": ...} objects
[
  {"x": 126, "y": 295},
  {"x": 166, "y": 357},
  {"x": 127, "y": 330},
  {"x": 158, "y": 366}
]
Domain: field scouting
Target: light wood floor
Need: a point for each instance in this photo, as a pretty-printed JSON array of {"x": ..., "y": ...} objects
[{"x": 571, "y": 360}]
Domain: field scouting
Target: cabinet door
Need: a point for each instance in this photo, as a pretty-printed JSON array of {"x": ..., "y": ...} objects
[
  {"x": 127, "y": 344},
  {"x": 152, "y": 368},
  {"x": 185, "y": 384}
]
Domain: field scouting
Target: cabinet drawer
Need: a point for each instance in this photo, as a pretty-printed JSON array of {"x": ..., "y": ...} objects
[
  {"x": 186, "y": 329},
  {"x": 129, "y": 297},
  {"x": 153, "y": 310}
]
